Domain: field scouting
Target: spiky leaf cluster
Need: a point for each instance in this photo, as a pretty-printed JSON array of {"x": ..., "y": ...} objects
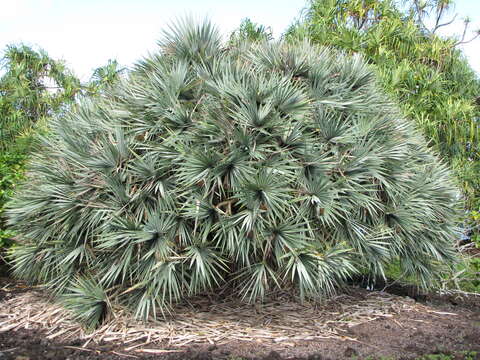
[{"x": 249, "y": 168}]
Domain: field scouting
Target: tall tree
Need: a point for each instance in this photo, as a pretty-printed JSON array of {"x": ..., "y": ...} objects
[{"x": 33, "y": 87}]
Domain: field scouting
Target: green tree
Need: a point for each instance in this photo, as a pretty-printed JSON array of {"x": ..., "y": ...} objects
[
  {"x": 32, "y": 88},
  {"x": 104, "y": 77},
  {"x": 248, "y": 30},
  {"x": 281, "y": 165},
  {"x": 426, "y": 73}
]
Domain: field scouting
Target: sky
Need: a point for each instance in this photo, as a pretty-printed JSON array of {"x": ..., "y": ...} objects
[{"x": 87, "y": 33}]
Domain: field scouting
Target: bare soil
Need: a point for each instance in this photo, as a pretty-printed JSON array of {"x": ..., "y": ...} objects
[{"x": 432, "y": 324}]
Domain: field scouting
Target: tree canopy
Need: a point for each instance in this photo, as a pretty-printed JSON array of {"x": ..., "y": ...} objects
[{"x": 32, "y": 88}]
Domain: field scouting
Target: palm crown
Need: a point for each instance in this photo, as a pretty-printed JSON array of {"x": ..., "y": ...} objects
[{"x": 250, "y": 167}]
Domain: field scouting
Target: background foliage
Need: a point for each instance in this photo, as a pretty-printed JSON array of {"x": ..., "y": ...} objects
[{"x": 33, "y": 87}]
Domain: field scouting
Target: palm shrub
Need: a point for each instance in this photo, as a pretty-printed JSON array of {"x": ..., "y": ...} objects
[{"x": 244, "y": 168}]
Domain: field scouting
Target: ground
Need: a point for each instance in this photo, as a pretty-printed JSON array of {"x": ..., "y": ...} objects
[{"x": 357, "y": 324}]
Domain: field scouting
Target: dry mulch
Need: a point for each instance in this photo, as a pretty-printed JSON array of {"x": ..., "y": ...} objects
[{"x": 357, "y": 323}]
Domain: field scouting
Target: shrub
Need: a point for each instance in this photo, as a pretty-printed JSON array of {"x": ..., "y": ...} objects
[{"x": 252, "y": 167}]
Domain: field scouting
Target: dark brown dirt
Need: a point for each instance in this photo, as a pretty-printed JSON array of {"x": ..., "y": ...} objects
[{"x": 407, "y": 335}]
